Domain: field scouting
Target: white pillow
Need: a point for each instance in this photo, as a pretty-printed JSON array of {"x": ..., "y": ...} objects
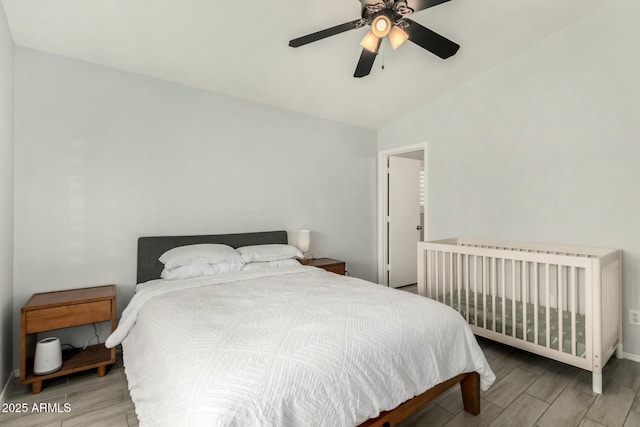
[
  {"x": 268, "y": 253},
  {"x": 198, "y": 270},
  {"x": 270, "y": 264},
  {"x": 206, "y": 253}
]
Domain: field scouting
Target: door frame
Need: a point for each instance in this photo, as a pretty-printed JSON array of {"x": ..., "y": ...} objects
[{"x": 383, "y": 198}]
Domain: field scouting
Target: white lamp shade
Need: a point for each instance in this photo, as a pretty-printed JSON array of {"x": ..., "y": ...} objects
[{"x": 304, "y": 240}]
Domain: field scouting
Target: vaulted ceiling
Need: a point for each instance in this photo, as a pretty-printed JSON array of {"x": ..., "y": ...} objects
[{"x": 241, "y": 48}]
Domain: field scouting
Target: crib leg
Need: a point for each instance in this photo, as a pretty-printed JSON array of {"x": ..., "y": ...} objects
[
  {"x": 619, "y": 352},
  {"x": 596, "y": 383}
]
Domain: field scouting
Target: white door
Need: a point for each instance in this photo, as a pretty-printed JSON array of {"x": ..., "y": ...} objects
[{"x": 403, "y": 220}]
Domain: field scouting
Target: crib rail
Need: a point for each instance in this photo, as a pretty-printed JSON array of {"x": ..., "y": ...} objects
[
  {"x": 570, "y": 250},
  {"x": 560, "y": 302}
]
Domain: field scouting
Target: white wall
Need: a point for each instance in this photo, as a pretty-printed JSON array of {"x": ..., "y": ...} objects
[
  {"x": 104, "y": 156},
  {"x": 6, "y": 198},
  {"x": 544, "y": 147}
]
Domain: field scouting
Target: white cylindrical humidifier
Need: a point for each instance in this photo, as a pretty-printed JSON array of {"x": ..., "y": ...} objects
[{"x": 48, "y": 356}]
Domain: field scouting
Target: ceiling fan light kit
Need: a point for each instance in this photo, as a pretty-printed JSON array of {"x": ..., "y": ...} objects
[
  {"x": 397, "y": 36},
  {"x": 387, "y": 18}
]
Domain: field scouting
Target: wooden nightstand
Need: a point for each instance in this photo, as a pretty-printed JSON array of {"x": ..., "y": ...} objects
[
  {"x": 62, "y": 309},
  {"x": 332, "y": 265}
]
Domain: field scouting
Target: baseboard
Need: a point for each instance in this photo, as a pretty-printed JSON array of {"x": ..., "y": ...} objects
[
  {"x": 4, "y": 389},
  {"x": 631, "y": 356}
]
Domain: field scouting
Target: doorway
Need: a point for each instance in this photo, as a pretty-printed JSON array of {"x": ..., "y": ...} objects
[{"x": 402, "y": 213}]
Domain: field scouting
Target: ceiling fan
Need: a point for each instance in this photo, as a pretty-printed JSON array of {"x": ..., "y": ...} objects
[{"x": 388, "y": 18}]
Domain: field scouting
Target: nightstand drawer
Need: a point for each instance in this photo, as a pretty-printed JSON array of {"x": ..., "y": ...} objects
[{"x": 65, "y": 316}]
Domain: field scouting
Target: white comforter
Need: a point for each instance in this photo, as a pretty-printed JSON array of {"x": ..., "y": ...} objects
[{"x": 293, "y": 346}]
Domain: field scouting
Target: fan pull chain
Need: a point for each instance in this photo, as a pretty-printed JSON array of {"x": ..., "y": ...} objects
[{"x": 382, "y": 51}]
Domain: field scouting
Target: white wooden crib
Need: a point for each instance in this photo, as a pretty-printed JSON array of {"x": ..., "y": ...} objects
[{"x": 560, "y": 302}]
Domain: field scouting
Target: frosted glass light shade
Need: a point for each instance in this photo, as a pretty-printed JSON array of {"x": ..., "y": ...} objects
[
  {"x": 370, "y": 42},
  {"x": 397, "y": 36},
  {"x": 304, "y": 240}
]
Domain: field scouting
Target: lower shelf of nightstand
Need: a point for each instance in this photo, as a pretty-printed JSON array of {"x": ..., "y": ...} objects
[{"x": 91, "y": 357}]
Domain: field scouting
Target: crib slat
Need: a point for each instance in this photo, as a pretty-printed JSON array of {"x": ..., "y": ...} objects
[
  {"x": 504, "y": 296},
  {"x": 536, "y": 287},
  {"x": 437, "y": 278},
  {"x": 525, "y": 294},
  {"x": 429, "y": 272},
  {"x": 475, "y": 290},
  {"x": 451, "y": 278},
  {"x": 444, "y": 277},
  {"x": 574, "y": 296},
  {"x": 466, "y": 289},
  {"x": 560, "y": 310},
  {"x": 513, "y": 298},
  {"x": 494, "y": 285},
  {"x": 459, "y": 279},
  {"x": 548, "y": 305},
  {"x": 447, "y": 278},
  {"x": 484, "y": 292}
]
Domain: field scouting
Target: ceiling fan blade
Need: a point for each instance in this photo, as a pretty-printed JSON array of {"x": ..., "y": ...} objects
[
  {"x": 431, "y": 41},
  {"x": 309, "y": 38},
  {"x": 417, "y": 5},
  {"x": 366, "y": 61}
]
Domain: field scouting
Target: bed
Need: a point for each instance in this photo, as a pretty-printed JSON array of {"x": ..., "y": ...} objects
[
  {"x": 292, "y": 345},
  {"x": 561, "y": 302}
]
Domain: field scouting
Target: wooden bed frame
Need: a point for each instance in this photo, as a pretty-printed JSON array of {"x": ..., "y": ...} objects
[
  {"x": 149, "y": 268},
  {"x": 469, "y": 384}
]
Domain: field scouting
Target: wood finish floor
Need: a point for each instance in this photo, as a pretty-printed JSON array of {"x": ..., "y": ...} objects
[
  {"x": 94, "y": 401},
  {"x": 534, "y": 391},
  {"x": 529, "y": 391}
]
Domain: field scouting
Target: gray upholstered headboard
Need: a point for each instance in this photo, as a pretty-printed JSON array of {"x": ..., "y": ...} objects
[{"x": 150, "y": 248}]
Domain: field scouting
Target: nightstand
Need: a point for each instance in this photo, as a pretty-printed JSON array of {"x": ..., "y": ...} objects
[
  {"x": 62, "y": 309},
  {"x": 332, "y": 265}
]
